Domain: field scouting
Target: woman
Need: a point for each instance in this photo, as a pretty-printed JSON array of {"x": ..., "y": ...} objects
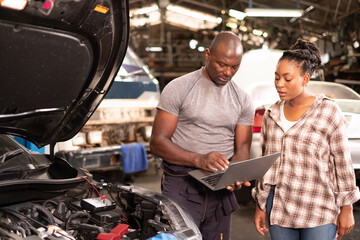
[{"x": 309, "y": 191}]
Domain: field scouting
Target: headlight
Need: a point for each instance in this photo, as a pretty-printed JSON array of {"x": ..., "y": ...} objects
[
  {"x": 185, "y": 220},
  {"x": 180, "y": 221},
  {"x": 79, "y": 139}
]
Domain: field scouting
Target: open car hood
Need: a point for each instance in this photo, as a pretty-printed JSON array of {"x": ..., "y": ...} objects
[{"x": 58, "y": 58}]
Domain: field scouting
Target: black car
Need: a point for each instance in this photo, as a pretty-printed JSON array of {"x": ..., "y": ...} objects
[{"x": 58, "y": 59}]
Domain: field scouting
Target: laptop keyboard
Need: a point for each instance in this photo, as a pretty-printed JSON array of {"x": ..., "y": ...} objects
[{"x": 212, "y": 180}]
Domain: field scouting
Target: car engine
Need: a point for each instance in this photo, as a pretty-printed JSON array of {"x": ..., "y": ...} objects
[{"x": 94, "y": 211}]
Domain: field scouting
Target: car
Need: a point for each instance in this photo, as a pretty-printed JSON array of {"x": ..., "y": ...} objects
[
  {"x": 40, "y": 197},
  {"x": 256, "y": 77},
  {"x": 58, "y": 61}
]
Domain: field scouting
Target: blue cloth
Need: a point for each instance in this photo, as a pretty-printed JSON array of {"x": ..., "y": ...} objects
[
  {"x": 134, "y": 158},
  {"x": 164, "y": 236},
  {"x": 29, "y": 145}
]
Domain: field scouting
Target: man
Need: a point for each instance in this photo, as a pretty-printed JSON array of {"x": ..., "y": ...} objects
[{"x": 203, "y": 120}]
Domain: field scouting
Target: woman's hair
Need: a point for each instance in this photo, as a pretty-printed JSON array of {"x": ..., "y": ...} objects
[{"x": 305, "y": 54}]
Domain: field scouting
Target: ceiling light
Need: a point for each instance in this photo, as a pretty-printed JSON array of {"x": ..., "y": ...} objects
[
  {"x": 273, "y": 12},
  {"x": 152, "y": 18},
  {"x": 190, "y": 19},
  {"x": 154, "y": 49},
  {"x": 257, "y": 32},
  {"x": 163, "y": 3},
  {"x": 144, "y": 10},
  {"x": 201, "y": 49},
  {"x": 237, "y": 14},
  {"x": 193, "y": 43},
  {"x": 192, "y": 13},
  {"x": 356, "y": 44},
  {"x": 231, "y": 25},
  {"x": 243, "y": 28}
]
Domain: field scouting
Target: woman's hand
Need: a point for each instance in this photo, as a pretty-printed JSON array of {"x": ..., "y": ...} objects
[
  {"x": 345, "y": 221},
  {"x": 260, "y": 221},
  {"x": 238, "y": 185}
]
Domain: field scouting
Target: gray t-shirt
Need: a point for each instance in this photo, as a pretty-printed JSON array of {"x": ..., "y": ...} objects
[{"x": 207, "y": 113}]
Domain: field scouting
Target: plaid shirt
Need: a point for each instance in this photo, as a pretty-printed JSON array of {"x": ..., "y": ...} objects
[{"x": 314, "y": 175}]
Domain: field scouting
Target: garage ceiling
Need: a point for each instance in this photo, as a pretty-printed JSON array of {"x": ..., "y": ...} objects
[{"x": 333, "y": 24}]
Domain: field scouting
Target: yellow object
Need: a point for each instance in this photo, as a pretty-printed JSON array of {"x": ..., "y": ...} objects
[{"x": 101, "y": 9}]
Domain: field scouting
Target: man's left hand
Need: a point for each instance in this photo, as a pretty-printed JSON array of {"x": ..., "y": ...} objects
[{"x": 237, "y": 186}]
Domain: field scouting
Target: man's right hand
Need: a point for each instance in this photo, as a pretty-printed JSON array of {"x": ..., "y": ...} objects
[
  {"x": 213, "y": 161},
  {"x": 260, "y": 220}
]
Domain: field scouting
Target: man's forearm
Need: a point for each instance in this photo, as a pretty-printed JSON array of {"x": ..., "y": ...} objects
[
  {"x": 241, "y": 154},
  {"x": 243, "y": 138},
  {"x": 173, "y": 153}
]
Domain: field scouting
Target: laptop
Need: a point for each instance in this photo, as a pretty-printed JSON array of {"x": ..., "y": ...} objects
[{"x": 241, "y": 171}]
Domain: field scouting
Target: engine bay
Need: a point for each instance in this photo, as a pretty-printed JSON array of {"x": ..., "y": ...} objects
[{"x": 97, "y": 210}]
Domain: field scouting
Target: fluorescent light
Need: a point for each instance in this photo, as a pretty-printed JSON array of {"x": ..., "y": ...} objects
[
  {"x": 273, "y": 12},
  {"x": 231, "y": 25},
  {"x": 257, "y": 32},
  {"x": 154, "y": 49},
  {"x": 175, "y": 15},
  {"x": 237, "y": 14},
  {"x": 193, "y": 13},
  {"x": 190, "y": 19},
  {"x": 145, "y": 10}
]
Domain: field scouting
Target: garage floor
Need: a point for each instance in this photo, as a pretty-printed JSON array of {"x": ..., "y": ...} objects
[{"x": 242, "y": 225}]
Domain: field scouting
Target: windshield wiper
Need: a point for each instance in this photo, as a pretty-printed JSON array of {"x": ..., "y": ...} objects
[{"x": 11, "y": 154}]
